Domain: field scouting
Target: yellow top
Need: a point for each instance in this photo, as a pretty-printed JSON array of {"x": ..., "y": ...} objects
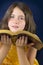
[{"x": 12, "y": 58}]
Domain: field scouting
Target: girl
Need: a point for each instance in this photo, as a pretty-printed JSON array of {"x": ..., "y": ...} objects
[{"x": 17, "y": 17}]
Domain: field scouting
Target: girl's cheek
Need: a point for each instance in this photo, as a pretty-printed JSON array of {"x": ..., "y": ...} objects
[
  {"x": 10, "y": 20},
  {"x": 23, "y": 25}
]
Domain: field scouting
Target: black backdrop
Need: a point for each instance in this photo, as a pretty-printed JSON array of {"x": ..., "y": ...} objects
[{"x": 37, "y": 8}]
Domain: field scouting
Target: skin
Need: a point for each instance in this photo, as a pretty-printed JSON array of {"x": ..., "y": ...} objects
[
  {"x": 5, "y": 40},
  {"x": 27, "y": 57},
  {"x": 15, "y": 23},
  {"x": 17, "y": 20}
]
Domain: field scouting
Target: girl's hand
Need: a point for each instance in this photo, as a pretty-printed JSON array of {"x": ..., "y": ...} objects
[
  {"x": 22, "y": 56},
  {"x": 29, "y": 55},
  {"x": 22, "y": 41},
  {"x": 5, "y": 40}
]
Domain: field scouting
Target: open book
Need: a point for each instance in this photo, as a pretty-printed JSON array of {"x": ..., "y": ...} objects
[{"x": 32, "y": 38}]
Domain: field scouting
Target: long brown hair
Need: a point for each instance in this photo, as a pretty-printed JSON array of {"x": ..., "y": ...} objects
[{"x": 30, "y": 24}]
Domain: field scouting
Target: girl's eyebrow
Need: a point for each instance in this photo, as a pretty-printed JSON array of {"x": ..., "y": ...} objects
[
  {"x": 21, "y": 15},
  {"x": 12, "y": 14},
  {"x": 18, "y": 15}
]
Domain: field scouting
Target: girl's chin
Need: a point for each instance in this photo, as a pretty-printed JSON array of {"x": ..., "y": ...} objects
[{"x": 15, "y": 30}]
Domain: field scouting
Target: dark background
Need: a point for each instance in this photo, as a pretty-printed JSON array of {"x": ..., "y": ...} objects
[{"x": 37, "y": 9}]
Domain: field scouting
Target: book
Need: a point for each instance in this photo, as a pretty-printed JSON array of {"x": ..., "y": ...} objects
[{"x": 32, "y": 38}]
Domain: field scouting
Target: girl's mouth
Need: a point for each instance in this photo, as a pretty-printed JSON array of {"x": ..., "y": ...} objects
[{"x": 15, "y": 26}]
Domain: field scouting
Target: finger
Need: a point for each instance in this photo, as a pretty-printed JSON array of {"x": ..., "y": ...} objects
[
  {"x": 4, "y": 39},
  {"x": 17, "y": 41},
  {"x": 22, "y": 40},
  {"x": 31, "y": 44},
  {"x": 26, "y": 40},
  {"x": 8, "y": 40}
]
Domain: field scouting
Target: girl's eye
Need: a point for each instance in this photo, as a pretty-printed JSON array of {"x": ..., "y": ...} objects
[
  {"x": 12, "y": 16},
  {"x": 21, "y": 18}
]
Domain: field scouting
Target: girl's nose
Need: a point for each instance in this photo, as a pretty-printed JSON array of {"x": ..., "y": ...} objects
[{"x": 17, "y": 21}]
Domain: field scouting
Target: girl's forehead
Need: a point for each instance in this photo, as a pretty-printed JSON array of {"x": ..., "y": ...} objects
[{"x": 18, "y": 11}]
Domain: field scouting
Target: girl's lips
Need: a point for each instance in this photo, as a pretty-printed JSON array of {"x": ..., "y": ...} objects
[{"x": 15, "y": 26}]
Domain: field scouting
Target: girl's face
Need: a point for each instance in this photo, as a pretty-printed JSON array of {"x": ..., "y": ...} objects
[{"x": 17, "y": 20}]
